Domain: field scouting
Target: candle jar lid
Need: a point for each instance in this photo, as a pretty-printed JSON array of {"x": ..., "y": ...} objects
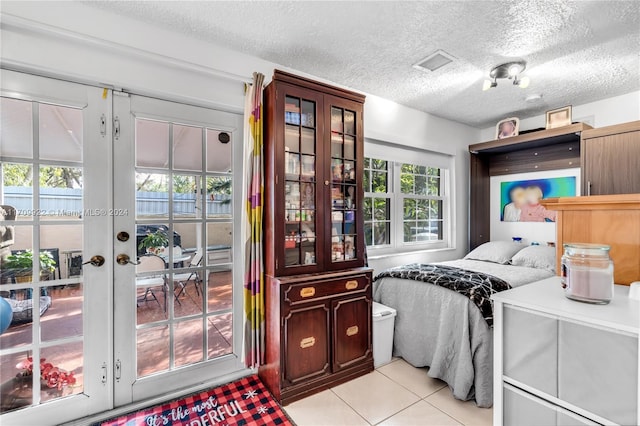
[{"x": 587, "y": 250}]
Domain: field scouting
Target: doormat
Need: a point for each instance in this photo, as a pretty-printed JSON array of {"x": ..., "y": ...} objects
[{"x": 244, "y": 402}]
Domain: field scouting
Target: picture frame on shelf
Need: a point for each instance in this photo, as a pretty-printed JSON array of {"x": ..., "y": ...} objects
[
  {"x": 507, "y": 128},
  {"x": 558, "y": 117}
]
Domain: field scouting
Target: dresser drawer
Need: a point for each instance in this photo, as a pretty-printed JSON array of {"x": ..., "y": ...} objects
[
  {"x": 531, "y": 349},
  {"x": 523, "y": 409},
  {"x": 315, "y": 290},
  {"x": 598, "y": 371}
]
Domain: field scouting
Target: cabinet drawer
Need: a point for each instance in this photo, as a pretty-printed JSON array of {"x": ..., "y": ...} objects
[
  {"x": 523, "y": 409},
  {"x": 531, "y": 349},
  {"x": 598, "y": 371},
  {"x": 567, "y": 418},
  {"x": 301, "y": 293}
]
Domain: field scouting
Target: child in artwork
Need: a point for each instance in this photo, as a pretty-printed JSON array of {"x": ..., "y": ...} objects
[
  {"x": 532, "y": 210},
  {"x": 513, "y": 209}
]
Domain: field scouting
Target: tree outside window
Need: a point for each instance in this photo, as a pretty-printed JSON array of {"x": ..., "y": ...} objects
[{"x": 404, "y": 204}]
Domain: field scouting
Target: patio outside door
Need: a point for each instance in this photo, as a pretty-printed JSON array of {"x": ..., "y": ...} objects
[
  {"x": 178, "y": 316},
  {"x": 55, "y": 162}
]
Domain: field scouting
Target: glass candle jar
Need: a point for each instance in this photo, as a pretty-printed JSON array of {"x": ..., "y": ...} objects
[{"x": 587, "y": 273}]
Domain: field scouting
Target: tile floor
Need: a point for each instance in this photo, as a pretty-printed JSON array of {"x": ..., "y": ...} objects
[{"x": 394, "y": 394}]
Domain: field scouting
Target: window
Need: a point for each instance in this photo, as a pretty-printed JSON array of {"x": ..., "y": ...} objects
[
  {"x": 406, "y": 205},
  {"x": 421, "y": 203},
  {"x": 377, "y": 203}
]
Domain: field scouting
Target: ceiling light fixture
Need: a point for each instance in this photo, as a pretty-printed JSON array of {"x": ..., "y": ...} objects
[{"x": 509, "y": 70}]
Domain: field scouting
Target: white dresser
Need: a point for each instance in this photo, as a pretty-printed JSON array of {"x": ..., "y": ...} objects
[{"x": 561, "y": 362}]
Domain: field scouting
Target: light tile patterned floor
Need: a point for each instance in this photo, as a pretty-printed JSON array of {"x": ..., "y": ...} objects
[{"x": 394, "y": 394}]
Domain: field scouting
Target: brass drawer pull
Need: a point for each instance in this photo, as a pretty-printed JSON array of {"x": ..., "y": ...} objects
[
  {"x": 307, "y": 292},
  {"x": 352, "y": 331},
  {"x": 350, "y": 285},
  {"x": 307, "y": 342}
]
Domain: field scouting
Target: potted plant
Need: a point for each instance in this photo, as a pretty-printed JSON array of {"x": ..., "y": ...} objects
[
  {"x": 154, "y": 242},
  {"x": 21, "y": 265}
]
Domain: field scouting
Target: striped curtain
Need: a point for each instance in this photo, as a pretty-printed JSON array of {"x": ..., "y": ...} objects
[{"x": 253, "y": 190}]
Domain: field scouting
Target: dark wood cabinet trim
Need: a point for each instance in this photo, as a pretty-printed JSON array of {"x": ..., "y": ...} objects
[
  {"x": 286, "y": 77},
  {"x": 329, "y": 265},
  {"x": 297, "y": 295}
]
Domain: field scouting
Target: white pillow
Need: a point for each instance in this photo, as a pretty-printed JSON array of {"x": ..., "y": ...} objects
[
  {"x": 495, "y": 251},
  {"x": 539, "y": 257}
]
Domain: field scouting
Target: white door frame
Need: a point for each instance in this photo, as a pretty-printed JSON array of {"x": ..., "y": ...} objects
[
  {"x": 98, "y": 292},
  {"x": 127, "y": 387}
]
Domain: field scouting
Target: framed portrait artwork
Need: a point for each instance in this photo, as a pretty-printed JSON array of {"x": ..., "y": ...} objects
[
  {"x": 507, "y": 128},
  {"x": 520, "y": 200},
  {"x": 559, "y": 117}
]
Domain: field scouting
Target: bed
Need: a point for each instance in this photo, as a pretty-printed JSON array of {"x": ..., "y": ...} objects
[{"x": 449, "y": 331}]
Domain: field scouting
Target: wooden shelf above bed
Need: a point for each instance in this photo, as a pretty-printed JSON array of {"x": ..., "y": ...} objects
[{"x": 532, "y": 140}]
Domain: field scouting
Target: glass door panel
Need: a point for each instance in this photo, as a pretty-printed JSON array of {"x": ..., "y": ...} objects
[
  {"x": 53, "y": 349},
  {"x": 32, "y": 261},
  {"x": 219, "y": 152},
  {"x": 181, "y": 297},
  {"x": 300, "y": 186},
  {"x": 344, "y": 202}
]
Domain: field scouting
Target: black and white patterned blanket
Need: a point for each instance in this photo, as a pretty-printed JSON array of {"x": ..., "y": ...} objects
[{"x": 478, "y": 287}]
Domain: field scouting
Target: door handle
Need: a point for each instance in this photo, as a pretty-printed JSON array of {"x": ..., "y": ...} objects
[
  {"x": 123, "y": 259},
  {"x": 96, "y": 261}
]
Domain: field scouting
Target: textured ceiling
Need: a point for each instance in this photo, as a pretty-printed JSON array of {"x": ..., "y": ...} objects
[{"x": 577, "y": 51}]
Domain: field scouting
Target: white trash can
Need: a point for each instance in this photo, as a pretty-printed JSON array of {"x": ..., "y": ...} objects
[{"x": 384, "y": 319}]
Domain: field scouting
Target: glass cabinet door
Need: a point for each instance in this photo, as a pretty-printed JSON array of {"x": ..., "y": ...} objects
[
  {"x": 300, "y": 159},
  {"x": 344, "y": 193}
]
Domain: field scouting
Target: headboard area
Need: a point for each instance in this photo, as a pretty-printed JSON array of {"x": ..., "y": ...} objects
[{"x": 509, "y": 176}]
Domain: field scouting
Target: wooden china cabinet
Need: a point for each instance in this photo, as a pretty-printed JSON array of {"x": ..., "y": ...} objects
[{"x": 318, "y": 292}]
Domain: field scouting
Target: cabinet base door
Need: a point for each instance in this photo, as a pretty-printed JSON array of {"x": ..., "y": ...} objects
[
  {"x": 306, "y": 337},
  {"x": 351, "y": 332}
]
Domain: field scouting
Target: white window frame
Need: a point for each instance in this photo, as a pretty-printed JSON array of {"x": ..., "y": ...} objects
[{"x": 396, "y": 155}]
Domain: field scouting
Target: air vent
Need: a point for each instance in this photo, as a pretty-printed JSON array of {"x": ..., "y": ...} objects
[{"x": 435, "y": 61}]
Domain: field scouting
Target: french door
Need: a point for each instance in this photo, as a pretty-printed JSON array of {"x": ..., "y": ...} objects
[
  {"x": 55, "y": 161},
  {"x": 176, "y": 239},
  {"x": 126, "y": 204}
]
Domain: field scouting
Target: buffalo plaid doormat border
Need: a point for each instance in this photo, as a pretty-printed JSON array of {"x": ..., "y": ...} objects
[{"x": 244, "y": 402}]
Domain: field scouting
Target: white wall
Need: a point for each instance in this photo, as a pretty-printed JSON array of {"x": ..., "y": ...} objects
[
  {"x": 390, "y": 122},
  {"x": 605, "y": 112},
  {"x": 77, "y": 42}
]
